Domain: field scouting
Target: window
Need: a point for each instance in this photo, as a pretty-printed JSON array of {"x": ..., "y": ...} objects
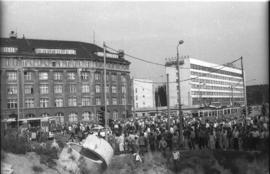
[
  {"x": 115, "y": 115},
  {"x": 98, "y": 101},
  {"x": 12, "y": 103},
  {"x": 43, "y": 76},
  {"x": 28, "y": 89},
  {"x": 108, "y": 89},
  {"x": 123, "y": 101},
  {"x": 11, "y": 76},
  {"x": 137, "y": 105},
  {"x": 72, "y": 88},
  {"x": 124, "y": 89},
  {"x": 86, "y": 116},
  {"x": 8, "y": 49},
  {"x": 123, "y": 78},
  {"x": 85, "y": 89},
  {"x": 114, "y": 89},
  {"x": 114, "y": 101},
  {"x": 98, "y": 89},
  {"x": 84, "y": 75},
  {"x": 72, "y": 101},
  {"x": 30, "y": 116},
  {"x": 44, "y": 102},
  {"x": 72, "y": 117},
  {"x": 135, "y": 90},
  {"x": 136, "y": 97},
  {"x": 108, "y": 101},
  {"x": 58, "y": 89},
  {"x": 59, "y": 102},
  {"x": 29, "y": 103},
  {"x": 97, "y": 76},
  {"x": 71, "y": 75},
  {"x": 58, "y": 76},
  {"x": 85, "y": 101},
  {"x": 12, "y": 89},
  {"x": 107, "y": 78},
  {"x": 45, "y": 115},
  {"x": 28, "y": 75},
  {"x": 60, "y": 117},
  {"x": 44, "y": 89},
  {"x": 114, "y": 77}
]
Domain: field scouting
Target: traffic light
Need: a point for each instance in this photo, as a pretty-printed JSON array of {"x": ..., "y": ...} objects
[
  {"x": 249, "y": 109},
  {"x": 111, "y": 123},
  {"x": 101, "y": 119},
  {"x": 244, "y": 111}
]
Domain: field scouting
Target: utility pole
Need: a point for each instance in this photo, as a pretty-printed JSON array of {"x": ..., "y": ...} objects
[
  {"x": 105, "y": 92},
  {"x": 168, "y": 100},
  {"x": 179, "y": 94},
  {"x": 232, "y": 95},
  {"x": 244, "y": 89},
  {"x": 18, "y": 99}
]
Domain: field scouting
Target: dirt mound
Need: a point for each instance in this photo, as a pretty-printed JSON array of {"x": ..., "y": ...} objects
[
  {"x": 28, "y": 163},
  {"x": 222, "y": 162},
  {"x": 152, "y": 164},
  {"x": 191, "y": 162}
]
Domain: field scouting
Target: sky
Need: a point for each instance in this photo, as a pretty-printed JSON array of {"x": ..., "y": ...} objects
[{"x": 218, "y": 32}]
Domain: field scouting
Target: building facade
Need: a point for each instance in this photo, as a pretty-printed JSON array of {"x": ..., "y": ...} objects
[
  {"x": 61, "y": 78},
  {"x": 143, "y": 94},
  {"x": 204, "y": 83}
]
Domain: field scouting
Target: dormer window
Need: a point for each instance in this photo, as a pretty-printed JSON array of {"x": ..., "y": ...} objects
[
  {"x": 9, "y": 49},
  {"x": 55, "y": 51}
]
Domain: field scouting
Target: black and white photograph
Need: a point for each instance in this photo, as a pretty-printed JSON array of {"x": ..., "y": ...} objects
[{"x": 134, "y": 87}]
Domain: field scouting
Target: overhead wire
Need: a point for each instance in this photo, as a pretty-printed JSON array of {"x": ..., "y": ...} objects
[{"x": 151, "y": 62}]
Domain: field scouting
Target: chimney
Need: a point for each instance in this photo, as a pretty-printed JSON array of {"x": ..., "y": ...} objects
[{"x": 12, "y": 35}]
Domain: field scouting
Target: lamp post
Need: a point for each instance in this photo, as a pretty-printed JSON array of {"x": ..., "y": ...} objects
[{"x": 179, "y": 94}]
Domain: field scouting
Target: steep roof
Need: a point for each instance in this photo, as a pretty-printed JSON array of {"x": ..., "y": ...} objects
[{"x": 83, "y": 50}]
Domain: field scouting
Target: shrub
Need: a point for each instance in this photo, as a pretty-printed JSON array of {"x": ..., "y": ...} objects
[{"x": 16, "y": 145}]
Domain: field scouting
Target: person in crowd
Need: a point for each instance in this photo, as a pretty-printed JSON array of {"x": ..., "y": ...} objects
[{"x": 162, "y": 145}]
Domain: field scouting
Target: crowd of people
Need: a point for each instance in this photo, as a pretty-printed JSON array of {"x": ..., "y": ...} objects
[{"x": 154, "y": 134}]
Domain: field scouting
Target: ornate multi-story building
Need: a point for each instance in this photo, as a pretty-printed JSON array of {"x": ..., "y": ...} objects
[{"x": 61, "y": 78}]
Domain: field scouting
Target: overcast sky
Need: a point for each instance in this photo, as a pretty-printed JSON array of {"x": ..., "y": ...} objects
[{"x": 218, "y": 32}]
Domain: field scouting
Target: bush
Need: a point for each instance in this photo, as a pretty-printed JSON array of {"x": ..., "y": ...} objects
[
  {"x": 47, "y": 155},
  {"x": 14, "y": 144}
]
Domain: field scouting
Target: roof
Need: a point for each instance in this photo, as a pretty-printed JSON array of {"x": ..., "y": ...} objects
[{"x": 84, "y": 50}]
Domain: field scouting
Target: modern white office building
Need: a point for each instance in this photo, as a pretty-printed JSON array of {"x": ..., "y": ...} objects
[
  {"x": 143, "y": 94},
  {"x": 203, "y": 83}
]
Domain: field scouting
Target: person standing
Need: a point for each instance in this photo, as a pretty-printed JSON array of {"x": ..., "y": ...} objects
[
  {"x": 163, "y": 146},
  {"x": 235, "y": 139}
]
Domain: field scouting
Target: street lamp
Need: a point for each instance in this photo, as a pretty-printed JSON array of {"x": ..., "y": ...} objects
[{"x": 179, "y": 94}]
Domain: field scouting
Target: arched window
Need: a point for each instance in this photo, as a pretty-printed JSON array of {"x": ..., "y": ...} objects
[
  {"x": 72, "y": 117},
  {"x": 92, "y": 116},
  {"x": 86, "y": 116},
  {"x": 60, "y": 115},
  {"x": 44, "y": 115},
  {"x": 29, "y": 116},
  {"x": 115, "y": 115}
]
